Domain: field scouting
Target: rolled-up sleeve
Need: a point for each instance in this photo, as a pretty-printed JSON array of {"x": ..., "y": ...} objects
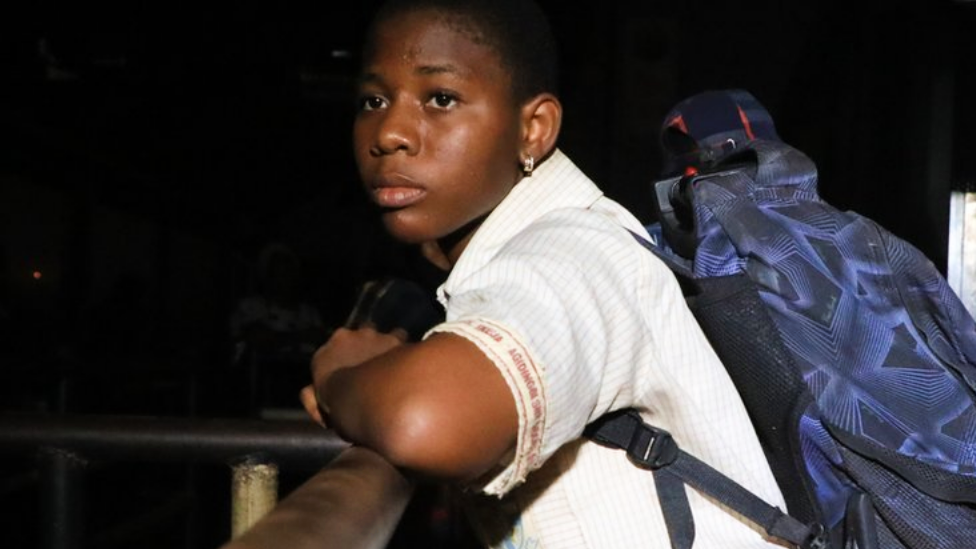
[{"x": 543, "y": 311}]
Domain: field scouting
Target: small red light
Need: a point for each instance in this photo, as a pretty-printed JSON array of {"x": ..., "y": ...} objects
[{"x": 37, "y": 275}]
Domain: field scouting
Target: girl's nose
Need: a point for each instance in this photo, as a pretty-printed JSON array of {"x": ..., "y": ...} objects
[{"x": 397, "y": 131}]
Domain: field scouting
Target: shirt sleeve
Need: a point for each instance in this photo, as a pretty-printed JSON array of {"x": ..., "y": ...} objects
[{"x": 546, "y": 311}]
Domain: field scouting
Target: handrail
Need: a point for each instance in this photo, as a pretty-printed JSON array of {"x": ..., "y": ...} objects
[
  {"x": 293, "y": 444},
  {"x": 355, "y": 502},
  {"x": 364, "y": 495}
]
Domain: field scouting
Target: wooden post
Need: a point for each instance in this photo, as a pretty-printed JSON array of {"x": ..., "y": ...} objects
[{"x": 254, "y": 493}]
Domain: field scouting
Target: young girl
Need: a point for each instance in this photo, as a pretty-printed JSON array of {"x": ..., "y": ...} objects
[{"x": 555, "y": 313}]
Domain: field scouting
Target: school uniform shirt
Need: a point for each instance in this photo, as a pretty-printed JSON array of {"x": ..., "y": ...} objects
[{"x": 581, "y": 320}]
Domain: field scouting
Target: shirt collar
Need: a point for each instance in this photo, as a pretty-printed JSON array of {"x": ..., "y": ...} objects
[{"x": 556, "y": 183}]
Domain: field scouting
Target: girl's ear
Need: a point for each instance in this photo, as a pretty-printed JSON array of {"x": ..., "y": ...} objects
[{"x": 542, "y": 117}]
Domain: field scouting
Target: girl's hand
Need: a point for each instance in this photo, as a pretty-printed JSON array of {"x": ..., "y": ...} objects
[
  {"x": 346, "y": 348},
  {"x": 311, "y": 404}
]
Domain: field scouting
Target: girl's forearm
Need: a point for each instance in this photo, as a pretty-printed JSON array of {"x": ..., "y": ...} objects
[{"x": 438, "y": 408}]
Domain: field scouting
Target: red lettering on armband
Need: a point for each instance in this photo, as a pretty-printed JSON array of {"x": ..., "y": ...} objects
[
  {"x": 523, "y": 370},
  {"x": 490, "y": 332},
  {"x": 535, "y": 444}
]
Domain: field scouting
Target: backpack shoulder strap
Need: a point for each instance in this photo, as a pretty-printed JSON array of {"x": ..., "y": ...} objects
[{"x": 654, "y": 449}]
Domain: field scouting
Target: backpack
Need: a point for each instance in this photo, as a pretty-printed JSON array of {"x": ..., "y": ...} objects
[{"x": 854, "y": 358}]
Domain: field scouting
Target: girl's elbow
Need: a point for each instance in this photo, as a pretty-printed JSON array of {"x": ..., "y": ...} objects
[{"x": 423, "y": 440}]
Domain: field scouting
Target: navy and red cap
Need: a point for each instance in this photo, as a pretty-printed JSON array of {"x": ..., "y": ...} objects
[{"x": 707, "y": 127}]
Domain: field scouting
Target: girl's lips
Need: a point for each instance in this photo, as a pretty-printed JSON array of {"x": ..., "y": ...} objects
[{"x": 397, "y": 197}]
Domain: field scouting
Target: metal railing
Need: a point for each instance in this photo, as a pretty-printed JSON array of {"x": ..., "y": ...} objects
[{"x": 64, "y": 445}]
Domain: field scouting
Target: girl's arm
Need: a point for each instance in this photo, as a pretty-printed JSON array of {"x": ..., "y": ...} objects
[{"x": 439, "y": 407}]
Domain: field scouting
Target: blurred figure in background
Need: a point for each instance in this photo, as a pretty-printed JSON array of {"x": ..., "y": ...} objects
[{"x": 276, "y": 329}]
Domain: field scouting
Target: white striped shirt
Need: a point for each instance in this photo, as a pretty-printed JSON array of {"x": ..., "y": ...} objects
[{"x": 581, "y": 320}]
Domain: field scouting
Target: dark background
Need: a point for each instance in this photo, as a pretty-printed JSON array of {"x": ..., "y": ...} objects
[
  {"x": 149, "y": 150},
  {"x": 162, "y": 145}
]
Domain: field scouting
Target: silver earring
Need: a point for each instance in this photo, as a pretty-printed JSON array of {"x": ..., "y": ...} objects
[{"x": 528, "y": 165}]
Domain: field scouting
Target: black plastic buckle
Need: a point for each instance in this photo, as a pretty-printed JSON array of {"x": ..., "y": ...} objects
[
  {"x": 651, "y": 448},
  {"x": 817, "y": 538}
]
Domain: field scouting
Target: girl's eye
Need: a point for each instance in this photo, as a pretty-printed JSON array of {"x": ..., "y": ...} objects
[
  {"x": 443, "y": 100},
  {"x": 371, "y": 103}
]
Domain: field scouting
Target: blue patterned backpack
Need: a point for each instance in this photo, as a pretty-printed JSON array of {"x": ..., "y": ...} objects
[{"x": 854, "y": 358}]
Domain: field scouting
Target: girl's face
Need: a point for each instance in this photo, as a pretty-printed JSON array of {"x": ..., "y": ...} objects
[{"x": 437, "y": 134}]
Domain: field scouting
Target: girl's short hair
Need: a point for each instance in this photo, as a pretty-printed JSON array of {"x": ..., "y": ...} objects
[{"x": 517, "y": 30}]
